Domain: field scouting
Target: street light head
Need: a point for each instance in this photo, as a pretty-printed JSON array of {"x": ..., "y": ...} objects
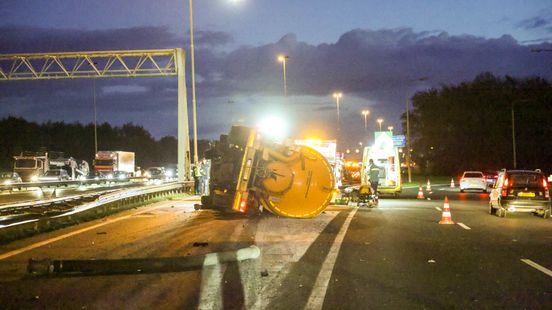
[
  {"x": 380, "y": 120},
  {"x": 390, "y": 128},
  {"x": 282, "y": 58},
  {"x": 365, "y": 112},
  {"x": 338, "y": 95}
]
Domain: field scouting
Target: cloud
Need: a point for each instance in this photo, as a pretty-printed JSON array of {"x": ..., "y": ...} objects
[
  {"x": 543, "y": 21},
  {"x": 375, "y": 69}
]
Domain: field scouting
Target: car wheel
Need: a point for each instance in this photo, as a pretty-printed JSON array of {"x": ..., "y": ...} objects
[
  {"x": 461, "y": 190},
  {"x": 546, "y": 214},
  {"x": 484, "y": 190}
]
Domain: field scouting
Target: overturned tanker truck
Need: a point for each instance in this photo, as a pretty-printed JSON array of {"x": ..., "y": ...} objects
[{"x": 249, "y": 175}]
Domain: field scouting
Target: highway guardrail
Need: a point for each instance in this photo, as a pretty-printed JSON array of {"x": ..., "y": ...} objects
[{"x": 104, "y": 205}]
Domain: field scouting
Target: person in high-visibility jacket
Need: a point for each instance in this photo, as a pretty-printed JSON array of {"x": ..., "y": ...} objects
[
  {"x": 373, "y": 176},
  {"x": 197, "y": 178}
]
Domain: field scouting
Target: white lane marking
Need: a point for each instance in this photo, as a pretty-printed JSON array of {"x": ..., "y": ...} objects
[
  {"x": 537, "y": 266},
  {"x": 464, "y": 226},
  {"x": 438, "y": 209},
  {"x": 212, "y": 274},
  {"x": 318, "y": 293},
  {"x": 76, "y": 232},
  {"x": 210, "y": 296}
]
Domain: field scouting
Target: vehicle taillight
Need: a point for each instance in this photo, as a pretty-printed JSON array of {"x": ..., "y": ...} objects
[
  {"x": 505, "y": 185},
  {"x": 243, "y": 205},
  {"x": 545, "y": 185}
]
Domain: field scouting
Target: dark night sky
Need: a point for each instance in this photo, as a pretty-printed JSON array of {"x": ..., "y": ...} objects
[{"x": 373, "y": 51}]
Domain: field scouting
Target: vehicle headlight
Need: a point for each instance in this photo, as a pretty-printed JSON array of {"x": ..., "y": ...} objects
[
  {"x": 170, "y": 174},
  {"x": 7, "y": 182},
  {"x": 34, "y": 178},
  {"x": 110, "y": 176},
  {"x": 121, "y": 177}
]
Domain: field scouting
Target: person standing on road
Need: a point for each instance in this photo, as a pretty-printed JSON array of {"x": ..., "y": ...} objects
[
  {"x": 373, "y": 177},
  {"x": 197, "y": 178}
]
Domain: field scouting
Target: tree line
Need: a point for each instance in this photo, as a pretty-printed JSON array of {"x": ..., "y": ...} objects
[
  {"x": 77, "y": 140},
  {"x": 474, "y": 125}
]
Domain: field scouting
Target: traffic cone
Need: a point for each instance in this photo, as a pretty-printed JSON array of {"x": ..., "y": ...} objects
[
  {"x": 428, "y": 186},
  {"x": 446, "y": 217},
  {"x": 420, "y": 193},
  {"x": 451, "y": 183}
]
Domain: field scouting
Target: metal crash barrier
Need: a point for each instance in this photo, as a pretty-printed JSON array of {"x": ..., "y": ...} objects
[{"x": 103, "y": 205}]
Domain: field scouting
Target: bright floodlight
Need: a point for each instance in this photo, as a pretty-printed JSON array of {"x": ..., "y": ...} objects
[{"x": 273, "y": 127}]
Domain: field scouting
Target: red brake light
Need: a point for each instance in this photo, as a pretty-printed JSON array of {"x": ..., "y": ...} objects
[
  {"x": 504, "y": 192},
  {"x": 544, "y": 183},
  {"x": 243, "y": 205}
]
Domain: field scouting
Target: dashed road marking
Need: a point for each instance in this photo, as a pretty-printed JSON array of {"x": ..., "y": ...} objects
[
  {"x": 318, "y": 293},
  {"x": 537, "y": 266},
  {"x": 438, "y": 209},
  {"x": 464, "y": 226},
  {"x": 76, "y": 232}
]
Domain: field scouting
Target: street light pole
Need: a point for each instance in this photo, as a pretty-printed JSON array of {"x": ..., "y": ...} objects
[
  {"x": 365, "y": 113},
  {"x": 283, "y": 59},
  {"x": 514, "y": 136},
  {"x": 408, "y": 143},
  {"x": 379, "y": 120},
  {"x": 337, "y": 96},
  {"x": 194, "y": 115}
]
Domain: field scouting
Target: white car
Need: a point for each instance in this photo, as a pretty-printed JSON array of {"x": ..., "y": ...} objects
[{"x": 473, "y": 180}]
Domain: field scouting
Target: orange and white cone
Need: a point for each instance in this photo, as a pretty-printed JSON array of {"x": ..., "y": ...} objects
[
  {"x": 428, "y": 186},
  {"x": 446, "y": 218},
  {"x": 420, "y": 193},
  {"x": 451, "y": 183}
]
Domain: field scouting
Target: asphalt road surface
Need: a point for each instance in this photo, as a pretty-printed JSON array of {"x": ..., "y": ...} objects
[{"x": 395, "y": 256}]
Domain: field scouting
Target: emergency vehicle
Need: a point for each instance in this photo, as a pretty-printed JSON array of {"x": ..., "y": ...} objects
[{"x": 386, "y": 156}]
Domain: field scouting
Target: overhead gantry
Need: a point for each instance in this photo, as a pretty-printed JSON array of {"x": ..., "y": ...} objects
[{"x": 108, "y": 64}]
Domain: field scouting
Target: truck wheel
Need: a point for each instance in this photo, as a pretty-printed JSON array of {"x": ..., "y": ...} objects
[{"x": 206, "y": 201}]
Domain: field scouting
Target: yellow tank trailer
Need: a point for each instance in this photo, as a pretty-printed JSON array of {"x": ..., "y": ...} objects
[{"x": 249, "y": 175}]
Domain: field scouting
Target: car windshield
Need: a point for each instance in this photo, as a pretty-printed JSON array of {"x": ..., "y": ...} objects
[
  {"x": 524, "y": 179},
  {"x": 52, "y": 173},
  {"x": 473, "y": 175}
]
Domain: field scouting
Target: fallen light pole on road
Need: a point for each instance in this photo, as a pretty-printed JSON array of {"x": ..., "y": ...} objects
[{"x": 138, "y": 265}]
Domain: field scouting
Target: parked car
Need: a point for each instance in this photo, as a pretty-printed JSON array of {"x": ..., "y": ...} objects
[
  {"x": 9, "y": 178},
  {"x": 155, "y": 173},
  {"x": 491, "y": 176},
  {"x": 520, "y": 191},
  {"x": 54, "y": 175},
  {"x": 473, "y": 180}
]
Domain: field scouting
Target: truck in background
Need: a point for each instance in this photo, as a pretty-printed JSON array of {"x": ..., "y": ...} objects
[
  {"x": 386, "y": 156},
  {"x": 30, "y": 165},
  {"x": 108, "y": 162}
]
